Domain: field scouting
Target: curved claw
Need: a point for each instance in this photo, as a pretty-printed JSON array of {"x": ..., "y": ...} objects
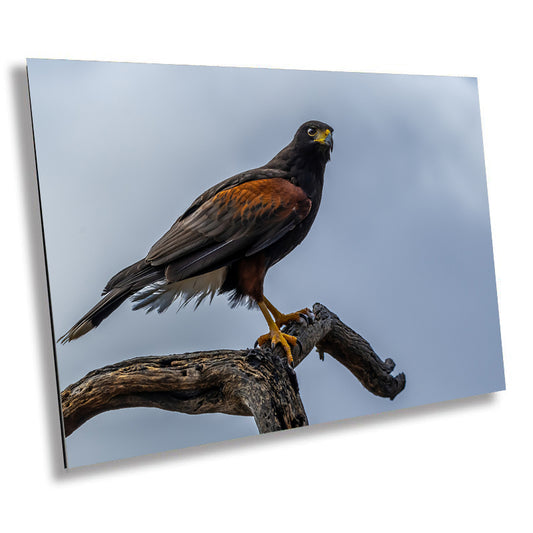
[
  {"x": 300, "y": 345},
  {"x": 277, "y": 337},
  {"x": 303, "y": 314},
  {"x": 309, "y": 316},
  {"x": 262, "y": 340}
]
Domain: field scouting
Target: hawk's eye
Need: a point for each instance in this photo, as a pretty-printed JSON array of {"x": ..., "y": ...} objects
[{"x": 311, "y": 132}]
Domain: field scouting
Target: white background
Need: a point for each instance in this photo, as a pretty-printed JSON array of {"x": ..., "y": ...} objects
[{"x": 461, "y": 466}]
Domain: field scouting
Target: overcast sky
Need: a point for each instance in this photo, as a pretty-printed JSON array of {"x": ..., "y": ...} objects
[{"x": 401, "y": 248}]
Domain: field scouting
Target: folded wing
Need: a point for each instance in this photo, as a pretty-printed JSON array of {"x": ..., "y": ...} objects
[{"x": 234, "y": 223}]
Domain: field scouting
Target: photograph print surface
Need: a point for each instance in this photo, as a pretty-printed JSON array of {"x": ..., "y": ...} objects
[{"x": 395, "y": 240}]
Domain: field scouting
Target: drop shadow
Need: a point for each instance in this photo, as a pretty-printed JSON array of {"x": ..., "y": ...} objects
[
  {"x": 278, "y": 439},
  {"x": 40, "y": 312}
]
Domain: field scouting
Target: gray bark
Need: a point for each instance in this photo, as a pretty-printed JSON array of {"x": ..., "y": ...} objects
[{"x": 254, "y": 382}]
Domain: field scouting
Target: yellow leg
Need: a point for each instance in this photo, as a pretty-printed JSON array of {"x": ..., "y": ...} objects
[
  {"x": 275, "y": 336},
  {"x": 282, "y": 319}
]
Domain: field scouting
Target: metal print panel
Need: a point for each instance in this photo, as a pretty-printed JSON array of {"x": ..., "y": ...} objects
[{"x": 372, "y": 223}]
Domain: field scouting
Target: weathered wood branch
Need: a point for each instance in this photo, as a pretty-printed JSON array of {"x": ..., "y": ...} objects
[{"x": 252, "y": 382}]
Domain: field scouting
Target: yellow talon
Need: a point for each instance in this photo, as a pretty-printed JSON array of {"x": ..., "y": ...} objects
[
  {"x": 275, "y": 319},
  {"x": 277, "y": 337},
  {"x": 281, "y": 319}
]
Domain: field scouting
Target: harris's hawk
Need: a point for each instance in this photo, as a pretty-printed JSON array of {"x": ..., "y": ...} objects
[{"x": 228, "y": 238}]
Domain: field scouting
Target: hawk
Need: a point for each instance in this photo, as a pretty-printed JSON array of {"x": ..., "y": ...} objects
[{"x": 228, "y": 238}]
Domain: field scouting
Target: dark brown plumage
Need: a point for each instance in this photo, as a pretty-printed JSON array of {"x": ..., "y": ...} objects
[{"x": 228, "y": 238}]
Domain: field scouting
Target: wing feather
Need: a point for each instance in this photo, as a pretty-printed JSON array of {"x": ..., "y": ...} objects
[{"x": 238, "y": 221}]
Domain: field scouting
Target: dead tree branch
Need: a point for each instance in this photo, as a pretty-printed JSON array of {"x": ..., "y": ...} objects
[{"x": 252, "y": 382}]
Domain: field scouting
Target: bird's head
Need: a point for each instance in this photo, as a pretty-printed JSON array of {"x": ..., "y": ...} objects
[
  {"x": 315, "y": 135},
  {"x": 310, "y": 148}
]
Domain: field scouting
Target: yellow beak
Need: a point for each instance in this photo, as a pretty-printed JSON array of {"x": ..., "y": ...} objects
[{"x": 324, "y": 137}]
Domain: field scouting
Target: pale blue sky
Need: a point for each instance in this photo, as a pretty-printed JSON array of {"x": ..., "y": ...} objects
[{"x": 401, "y": 249}]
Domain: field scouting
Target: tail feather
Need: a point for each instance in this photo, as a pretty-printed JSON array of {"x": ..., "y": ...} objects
[
  {"x": 101, "y": 310},
  {"x": 154, "y": 291},
  {"x": 139, "y": 275},
  {"x": 118, "y": 289}
]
